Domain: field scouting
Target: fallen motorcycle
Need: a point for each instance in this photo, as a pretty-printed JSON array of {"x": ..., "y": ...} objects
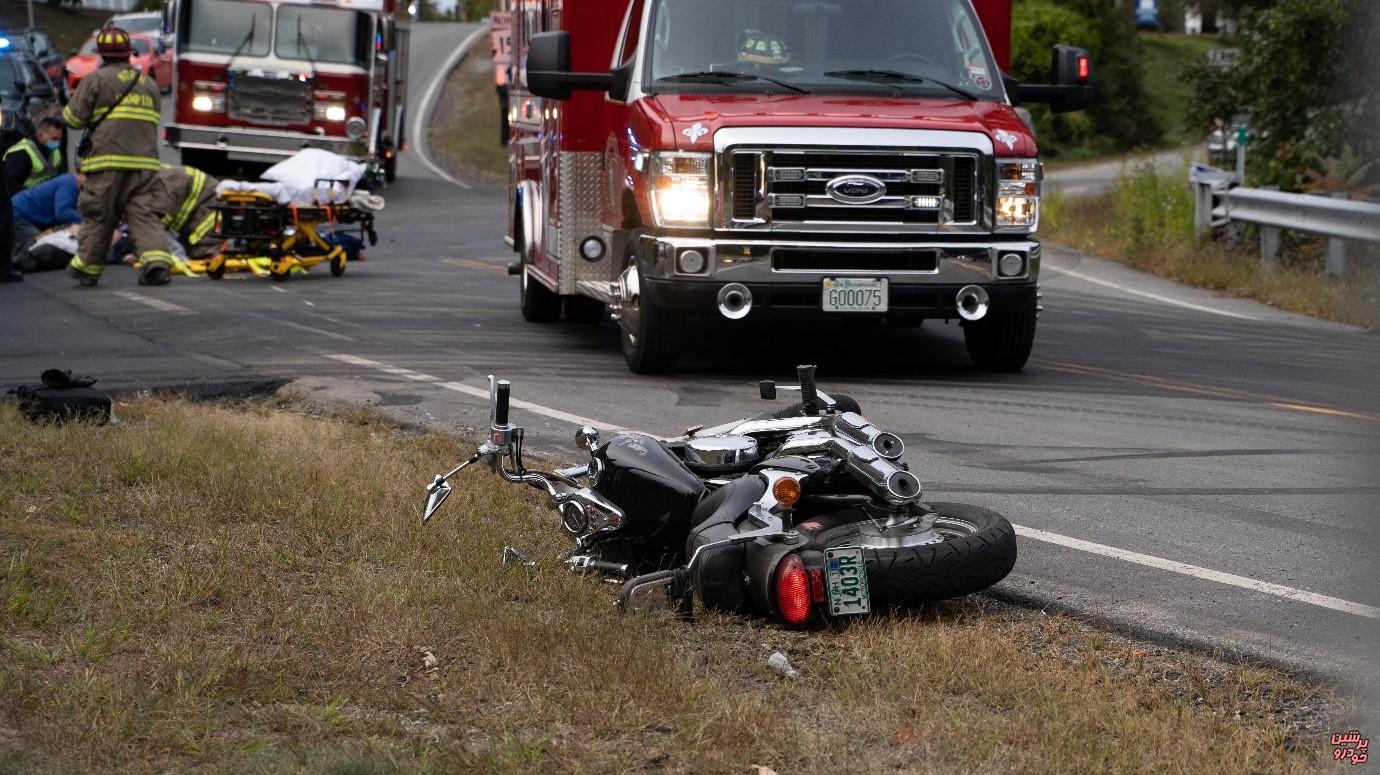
[{"x": 802, "y": 515}]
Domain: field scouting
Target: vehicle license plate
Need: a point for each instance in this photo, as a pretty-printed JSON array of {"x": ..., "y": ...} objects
[
  {"x": 845, "y": 581},
  {"x": 855, "y": 294}
]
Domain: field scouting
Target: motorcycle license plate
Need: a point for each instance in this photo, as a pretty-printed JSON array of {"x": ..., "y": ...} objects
[
  {"x": 845, "y": 581},
  {"x": 855, "y": 294}
]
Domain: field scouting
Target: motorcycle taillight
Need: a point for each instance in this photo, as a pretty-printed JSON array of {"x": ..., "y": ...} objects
[{"x": 793, "y": 590}]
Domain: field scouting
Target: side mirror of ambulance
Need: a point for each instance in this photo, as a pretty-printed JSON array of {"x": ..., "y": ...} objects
[
  {"x": 1070, "y": 87},
  {"x": 549, "y": 70}
]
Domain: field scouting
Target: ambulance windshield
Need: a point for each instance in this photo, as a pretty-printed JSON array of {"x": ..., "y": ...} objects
[{"x": 840, "y": 46}]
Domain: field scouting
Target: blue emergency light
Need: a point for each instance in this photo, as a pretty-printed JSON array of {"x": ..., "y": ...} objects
[{"x": 4, "y": 43}]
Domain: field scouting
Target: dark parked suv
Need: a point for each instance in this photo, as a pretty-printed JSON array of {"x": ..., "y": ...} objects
[
  {"x": 26, "y": 95},
  {"x": 38, "y": 45}
]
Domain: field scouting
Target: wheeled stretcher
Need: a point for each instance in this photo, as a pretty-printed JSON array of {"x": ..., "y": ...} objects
[{"x": 260, "y": 234}]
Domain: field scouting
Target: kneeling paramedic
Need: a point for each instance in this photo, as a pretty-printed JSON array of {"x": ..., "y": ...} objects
[
  {"x": 185, "y": 196},
  {"x": 119, "y": 109}
]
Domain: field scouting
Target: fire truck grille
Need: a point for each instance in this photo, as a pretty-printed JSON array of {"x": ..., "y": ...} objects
[
  {"x": 280, "y": 101},
  {"x": 821, "y": 187}
]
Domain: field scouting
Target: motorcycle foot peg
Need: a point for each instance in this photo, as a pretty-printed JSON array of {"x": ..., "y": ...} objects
[{"x": 513, "y": 556}]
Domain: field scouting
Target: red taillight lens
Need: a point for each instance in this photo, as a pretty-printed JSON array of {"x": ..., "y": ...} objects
[
  {"x": 817, "y": 586},
  {"x": 1084, "y": 68},
  {"x": 793, "y": 590}
]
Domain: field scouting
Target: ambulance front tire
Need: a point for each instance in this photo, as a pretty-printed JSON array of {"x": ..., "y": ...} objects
[{"x": 539, "y": 303}]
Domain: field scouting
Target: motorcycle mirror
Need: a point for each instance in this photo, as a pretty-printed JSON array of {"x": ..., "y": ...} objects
[
  {"x": 437, "y": 493},
  {"x": 587, "y": 438},
  {"x": 664, "y": 590}
]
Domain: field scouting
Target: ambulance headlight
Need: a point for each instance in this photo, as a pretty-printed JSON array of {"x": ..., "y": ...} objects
[
  {"x": 681, "y": 188},
  {"x": 1018, "y": 194}
]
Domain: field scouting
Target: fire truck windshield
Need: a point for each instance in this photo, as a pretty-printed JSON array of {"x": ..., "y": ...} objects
[
  {"x": 228, "y": 27},
  {"x": 319, "y": 35},
  {"x": 836, "y": 46}
]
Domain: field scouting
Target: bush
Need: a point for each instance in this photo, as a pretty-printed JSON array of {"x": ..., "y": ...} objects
[
  {"x": 1120, "y": 117},
  {"x": 1303, "y": 79},
  {"x": 1151, "y": 209}
]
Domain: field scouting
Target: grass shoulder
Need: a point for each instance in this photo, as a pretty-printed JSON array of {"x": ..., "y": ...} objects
[
  {"x": 463, "y": 135},
  {"x": 1147, "y": 223},
  {"x": 247, "y": 588}
]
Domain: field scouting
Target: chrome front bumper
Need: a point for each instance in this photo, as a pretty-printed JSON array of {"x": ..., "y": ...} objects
[
  {"x": 787, "y": 274},
  {"x": 248, "y": 144}
]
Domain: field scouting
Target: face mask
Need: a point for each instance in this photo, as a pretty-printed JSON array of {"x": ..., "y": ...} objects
[{"x": 53, "y": 145}]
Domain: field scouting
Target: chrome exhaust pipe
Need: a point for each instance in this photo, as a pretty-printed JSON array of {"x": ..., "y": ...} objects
[
  {"x": 735, "y": 301},
  {"x": 972, "y": 302}
]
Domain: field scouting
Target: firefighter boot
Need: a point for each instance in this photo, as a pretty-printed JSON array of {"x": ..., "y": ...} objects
[
  {"x": 155, "y": 273},
  {"x": 86, "y": 274}
]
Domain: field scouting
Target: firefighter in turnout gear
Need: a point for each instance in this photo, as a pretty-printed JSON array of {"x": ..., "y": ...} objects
[
  {"x": 185, "y": 196},
  {"x": 119, "y": 110}
]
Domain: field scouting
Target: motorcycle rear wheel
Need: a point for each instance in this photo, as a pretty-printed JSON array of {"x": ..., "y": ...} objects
[{"x": 978, "y": 551}]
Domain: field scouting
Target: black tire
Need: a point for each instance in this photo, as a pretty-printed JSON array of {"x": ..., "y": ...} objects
[
  {"x": 979, "y": 550},
  {"x": 338, "y": 264},
  {"x": 1002, "y": 340},
  {"x": 539, "y": 303},
  {"x": 582, "y": 309},
  {"x": 651, "y": 336}
]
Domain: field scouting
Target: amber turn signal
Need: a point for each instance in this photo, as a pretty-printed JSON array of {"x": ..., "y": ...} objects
[{"x": 786, "y": 491}]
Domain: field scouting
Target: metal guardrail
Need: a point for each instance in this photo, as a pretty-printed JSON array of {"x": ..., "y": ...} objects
[{"x": 1219, "y": 201}]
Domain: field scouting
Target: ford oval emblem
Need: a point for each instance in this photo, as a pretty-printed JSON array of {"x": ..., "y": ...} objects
[{"x": 855, "y": 189}]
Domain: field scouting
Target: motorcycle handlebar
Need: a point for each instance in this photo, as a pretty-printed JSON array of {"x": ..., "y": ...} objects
[
  {"x": 809, "y": 396},
  {"x": 501, "y": 395}
]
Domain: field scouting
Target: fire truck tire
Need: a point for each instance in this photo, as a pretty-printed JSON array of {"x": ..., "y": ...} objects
[
  {"x": 582, "y": 309},
  {"x": 1002, "y": 340},
  {"x": 539, "y": 303}
]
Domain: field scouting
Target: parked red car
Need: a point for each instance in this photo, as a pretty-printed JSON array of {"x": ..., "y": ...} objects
[{"x": 150, "y": 57}]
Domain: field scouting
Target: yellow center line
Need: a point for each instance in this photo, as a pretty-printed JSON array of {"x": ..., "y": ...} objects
[
  {"x": 1206, "y": 390},
  {"x": 469, "y": 263}
]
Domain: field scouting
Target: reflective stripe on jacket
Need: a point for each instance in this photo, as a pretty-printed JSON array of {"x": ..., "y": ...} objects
[
  {"x": 183, "y": 189},
  {"x": 127, "y": 137}
]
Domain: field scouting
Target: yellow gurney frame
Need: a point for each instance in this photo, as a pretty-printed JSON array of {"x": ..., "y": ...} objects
[{"x": 260, "y": 235}]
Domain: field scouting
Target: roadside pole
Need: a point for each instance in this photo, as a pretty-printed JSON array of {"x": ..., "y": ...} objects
[{"x": 31, "y": 14}]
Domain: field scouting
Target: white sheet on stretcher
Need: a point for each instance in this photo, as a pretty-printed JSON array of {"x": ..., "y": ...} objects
[{"x": 310, "y": 176}]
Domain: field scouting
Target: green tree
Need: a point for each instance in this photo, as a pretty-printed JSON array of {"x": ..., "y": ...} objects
[
  {"x": 1305, "y": 79},
  {"x": 1119, "y": 117}
]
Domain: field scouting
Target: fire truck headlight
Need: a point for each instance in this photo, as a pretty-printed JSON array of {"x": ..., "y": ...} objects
[
  {"x": 681, "y": 193},
  {"x": 208, "y": 97},
  {"x": 355, "y": 127},
  {"x": 1018, "y": 194},
  {"x": 335, "y": 112}
]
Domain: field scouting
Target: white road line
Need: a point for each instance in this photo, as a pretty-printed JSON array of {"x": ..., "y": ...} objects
[
  {"x": 471, "y": 390},
  {"x": 1148, "y": 295},
  {"x": 1183, "y": 568},
  {"x": 420, "y": 120},
  {"x": 158, "y": 304},
  {"x": 1147, "y": 560},
  {"x": 311, "y": 329}
]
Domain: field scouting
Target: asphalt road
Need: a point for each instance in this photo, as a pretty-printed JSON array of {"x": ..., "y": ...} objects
[{"x": 1198, "y": 468}]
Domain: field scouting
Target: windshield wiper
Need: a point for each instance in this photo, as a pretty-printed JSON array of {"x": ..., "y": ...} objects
[
  {"x": 892, "y": 76},
  {"x": 725, "y": 76},
  {"x": 248, "y": 38},
  {"x": 304, "y": 48}
]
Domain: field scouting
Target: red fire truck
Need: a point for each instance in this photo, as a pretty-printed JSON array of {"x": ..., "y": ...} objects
[
  {"x": 677, "y": 159},
  {"x": 258, "y": 80}
]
